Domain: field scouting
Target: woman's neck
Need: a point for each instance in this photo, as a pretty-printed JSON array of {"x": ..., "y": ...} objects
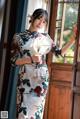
[{"x": 31, "y": 29}]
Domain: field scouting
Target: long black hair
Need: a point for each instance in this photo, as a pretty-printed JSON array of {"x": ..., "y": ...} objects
[{"x": 38, "y": 13}]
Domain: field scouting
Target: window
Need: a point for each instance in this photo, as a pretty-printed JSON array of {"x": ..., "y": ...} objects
[{"x": 65, "y": 32}]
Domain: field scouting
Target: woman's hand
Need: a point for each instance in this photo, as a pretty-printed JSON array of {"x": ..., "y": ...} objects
[
  {"x": 25, "y": 60},
  {"x": 36, "y": 58}
]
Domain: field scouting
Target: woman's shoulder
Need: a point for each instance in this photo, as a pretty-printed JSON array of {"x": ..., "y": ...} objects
[
  {"x": 20, "y": 35},
  {"x": 25, "y": 32},
  {"x": 16, "y": 37}
]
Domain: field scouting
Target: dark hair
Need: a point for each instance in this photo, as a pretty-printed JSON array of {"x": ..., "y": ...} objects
[{"x": 38, "y": 13}]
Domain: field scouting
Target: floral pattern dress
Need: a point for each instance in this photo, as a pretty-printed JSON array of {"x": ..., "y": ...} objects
[{"x": 33, "y": 79}]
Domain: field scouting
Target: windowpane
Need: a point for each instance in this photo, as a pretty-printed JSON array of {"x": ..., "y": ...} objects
[
  {"x": 71, "y": 15},
  {"x": 59, "y": 11},
  {"x": 58, "y": 24},
  {"x": 65, "y": 33}
]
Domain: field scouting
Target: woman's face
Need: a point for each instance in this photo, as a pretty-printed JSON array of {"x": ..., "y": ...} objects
[{"x": 39, "y": 24}]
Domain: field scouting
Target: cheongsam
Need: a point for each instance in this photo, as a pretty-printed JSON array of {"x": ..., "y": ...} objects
[{"x": 33, "y": 79}]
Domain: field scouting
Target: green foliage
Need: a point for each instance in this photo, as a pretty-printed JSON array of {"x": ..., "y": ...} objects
[
  {"x": 71, "y": 15},
  {"x": 66, "y": 38},
  {"x": 68, "y": 58}
]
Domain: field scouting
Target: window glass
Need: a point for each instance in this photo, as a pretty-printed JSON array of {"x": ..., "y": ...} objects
[{"x": 65, "y": 33}]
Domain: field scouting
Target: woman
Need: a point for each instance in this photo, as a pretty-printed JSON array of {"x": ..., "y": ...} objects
[{"x": 29, "y": 51}]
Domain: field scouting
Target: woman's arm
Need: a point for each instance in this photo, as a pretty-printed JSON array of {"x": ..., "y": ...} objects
[
  {"x": 15, "y": 50},
  {"x": 17, "y": 57},
  {"x": 22, "y": 61},
  {"x": 28, "y": 60}
]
